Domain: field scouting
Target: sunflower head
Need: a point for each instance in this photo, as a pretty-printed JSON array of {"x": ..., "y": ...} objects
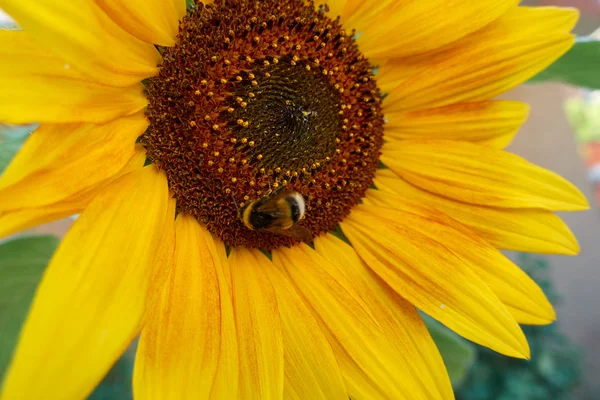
[
  {"x": 260, "y": 96},
  {"x": 212, "y": 122}
]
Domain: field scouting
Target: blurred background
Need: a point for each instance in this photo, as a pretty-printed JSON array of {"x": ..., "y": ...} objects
[{"x": 563, "y": 135}]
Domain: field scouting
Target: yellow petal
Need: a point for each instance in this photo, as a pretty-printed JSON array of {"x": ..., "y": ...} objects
[
  {"x": 397, "y": 318},
  {"x": 310, "y": 368},
  {"x": 521, "y": 229},
  {"x": 416, "y": 257},
  {"x": 82, "y": 35},
  {"x": 489, "y": 62},
  {"x": 154, "y": 22},
  {"x": 59, "y": 161},
  {"x": 481, "y": 175},
  {"x": 371, "y": 363},
  {"x": 358, "y": 14},
  {"x": 336, "y": 8},
  {"x": 492, "y": 123},
  {"x": 89, "y": 304},
  {"x": 37, "y": 86},
  {"x": 515, "y": 289},
  {"x": 180, "y": 346},
  {"x": 259, "y": 327},
  {"x": 412, "y": 26},
  {"x": 23, "y": 218}
]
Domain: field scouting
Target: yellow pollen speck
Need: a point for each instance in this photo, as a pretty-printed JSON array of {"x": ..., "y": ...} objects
[
  {"x": 244, "y": 140},
  {"x": 214, "y": 59},
  {"x": 233, "y": 180},
  {"x": 230, "y": 110},
  {"x": 197, "y": 93},
  {"x": 192, "y": 123},
  {"x": 216, "y": 154},
  {"x": 210, "y": 94},
  {"x": 238, "y": 78},
  {"x": 203, "y": 82},
  {"x": 243, "y": 104},
  {"x": 251, "y": 143},
  {"x": 216, "y": 127},
  {"x": 227, "y": 190},
  {"x": 220, "y": 170},
  {"x": 205, "y": 145},
  {"x": 210, "y": 163},
  {"x": 260, "y": 156}
]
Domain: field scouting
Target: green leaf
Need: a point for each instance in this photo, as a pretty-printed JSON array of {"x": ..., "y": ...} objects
[
  {"x": 22, "y": 263},
  {"x": 11, "y": 140},
  {"x": 458, "y": 354},
  {"x": 580, "y": 66}
]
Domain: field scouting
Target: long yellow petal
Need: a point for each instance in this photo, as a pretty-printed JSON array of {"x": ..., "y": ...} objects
[
  {"x": 521, "y": 229},
  {"x": 480, "y": 175},
  {"x": 489, "y": 62},
  {"x": 180, "y": 346},
  {"x": 515, "y": 289},
  {"x": 82, "y": 35},
  {"x": 17, "y": 220},
  {"x": 415, "y": 256},
  {"x": 37, "y": 86},
  {"x": 310, "y": 368},
  {"x": 492, "y": 123},
  {"x": 397, "y": 318},
  {"x": 259, "y": 327},
  {"x": 155, "y": 22},
  {"x": 372, "y": 365},
  {"x": 411, "y": 26},
  {"x": 89, "y": 304},
  {"x": 60, "y": 161}
]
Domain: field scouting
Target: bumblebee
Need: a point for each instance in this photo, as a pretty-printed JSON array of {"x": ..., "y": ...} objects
[{"x": 277, "y": 212}]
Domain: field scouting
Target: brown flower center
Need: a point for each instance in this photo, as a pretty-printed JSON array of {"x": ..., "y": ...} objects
[{"x": 262, "y": 95}]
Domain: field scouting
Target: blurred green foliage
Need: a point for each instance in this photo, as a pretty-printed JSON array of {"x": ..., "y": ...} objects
[
  {"x": 22, "y": 266},
  {"x": 458, "y": 354},
  {"x": 584, "y": 115},
  {"x": 11, "y": 140},
  {"x": 552, "y": 373}
]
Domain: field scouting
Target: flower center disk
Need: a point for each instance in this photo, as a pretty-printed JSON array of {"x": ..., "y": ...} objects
[{"x": 262, "y": 95}]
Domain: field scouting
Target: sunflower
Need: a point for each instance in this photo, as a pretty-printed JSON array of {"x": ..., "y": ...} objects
[{"x": 269, "y": 190}]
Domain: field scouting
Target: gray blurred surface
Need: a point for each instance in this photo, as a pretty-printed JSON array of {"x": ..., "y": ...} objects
[{"x": 547, "y": 140}]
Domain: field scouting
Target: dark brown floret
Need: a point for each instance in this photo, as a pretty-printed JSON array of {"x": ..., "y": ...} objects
[{"x": 260, "y": 94}]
